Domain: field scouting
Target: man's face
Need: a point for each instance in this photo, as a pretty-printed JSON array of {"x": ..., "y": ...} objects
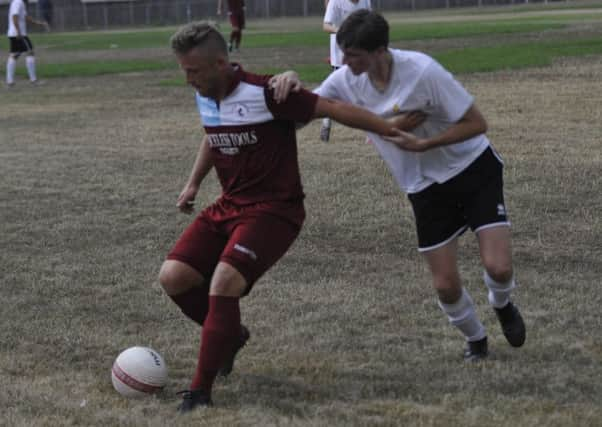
[
  {"x": 358, "y": 60},
  {"x": 204, "y": 71}
]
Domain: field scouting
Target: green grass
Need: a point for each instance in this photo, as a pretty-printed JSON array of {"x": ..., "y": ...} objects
[
  {"x": 160, "y": 38},
  {"x": 469, "y": 60},
  {"x": 97, "y": 68},
  {"x": 515, "y": 56},
  {"x": 472, "y": 59}
]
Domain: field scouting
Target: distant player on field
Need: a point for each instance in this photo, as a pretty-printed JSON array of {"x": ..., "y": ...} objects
[
  {"x": 19, "y": 42},
  {"x": 250, "y": 142},
  {"x": 336, "y": 12},
  {"x": 236, "y": 12},
  {"x": 447, "y": 166}
]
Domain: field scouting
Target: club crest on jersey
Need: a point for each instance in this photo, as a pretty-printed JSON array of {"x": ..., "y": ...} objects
[{"x": 241, "y": 110}]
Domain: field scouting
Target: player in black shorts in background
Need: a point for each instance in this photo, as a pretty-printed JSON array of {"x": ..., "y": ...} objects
[{"x": 19, "y": 42}]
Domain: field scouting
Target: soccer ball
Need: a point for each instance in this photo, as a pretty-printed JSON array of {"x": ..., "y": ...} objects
[{"x": 138, "y": 371}]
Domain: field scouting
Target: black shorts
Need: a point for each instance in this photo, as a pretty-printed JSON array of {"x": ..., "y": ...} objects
[
  {"x": 19, "y": 45},
  {"x": 474, "y": 198}
]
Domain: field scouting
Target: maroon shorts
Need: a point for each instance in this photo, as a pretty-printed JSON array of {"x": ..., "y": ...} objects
[
  {"x": 251, "y": 239},
  {"x": 237, "y": 19}
]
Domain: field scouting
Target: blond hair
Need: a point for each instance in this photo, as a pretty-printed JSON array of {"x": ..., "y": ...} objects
[{"x": 198, "y": 34}]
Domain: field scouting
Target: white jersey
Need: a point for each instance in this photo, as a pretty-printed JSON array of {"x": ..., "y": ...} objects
[
  {"x": 336, "y": 12},
  {"x": 17, "y": 7},
  {"x": 418, "y": 82}
]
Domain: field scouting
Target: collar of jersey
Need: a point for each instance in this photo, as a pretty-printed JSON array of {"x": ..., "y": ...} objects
[{"x": 238, "y": 74}]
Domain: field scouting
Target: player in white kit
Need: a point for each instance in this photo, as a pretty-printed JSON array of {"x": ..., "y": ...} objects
[
  {"x": 336, "y": 12},
  {"x": 19, "y": 41},
  {"x": 447, "y": 166}
]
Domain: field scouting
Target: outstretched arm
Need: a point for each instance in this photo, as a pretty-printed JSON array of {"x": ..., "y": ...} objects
[
  {"x": 33, "y": 21},
  {"x": 202, "y": 165},
  {"x": 354, "y": 117}
]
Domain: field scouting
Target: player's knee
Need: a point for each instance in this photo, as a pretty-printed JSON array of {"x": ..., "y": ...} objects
[
  {"x": 227, "y": 281},
  {"x": 448, "y": 287},
  {"x": 499, "y": 270},
  {"x": 176, "y": 277}
]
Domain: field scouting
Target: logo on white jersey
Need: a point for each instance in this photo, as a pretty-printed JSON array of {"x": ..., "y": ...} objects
[{"x": 241, "y": 110}]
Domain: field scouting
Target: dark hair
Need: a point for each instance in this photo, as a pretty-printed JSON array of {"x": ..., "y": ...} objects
[
  {"x": 197, "y": 34},
  {"x": 363, "y": 29}
]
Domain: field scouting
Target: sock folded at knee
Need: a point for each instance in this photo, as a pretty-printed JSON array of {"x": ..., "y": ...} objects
[
  {"x": 463, "y": 316},
  {"x": 499, "y": 293},
  {"x": 220, "y": 334}
]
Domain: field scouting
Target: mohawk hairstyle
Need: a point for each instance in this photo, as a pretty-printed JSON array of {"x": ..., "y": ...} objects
[{"x": 195, "y": 34}]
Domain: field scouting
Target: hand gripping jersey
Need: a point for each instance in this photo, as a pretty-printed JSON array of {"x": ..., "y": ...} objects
[{"x": 253, "y": 140}]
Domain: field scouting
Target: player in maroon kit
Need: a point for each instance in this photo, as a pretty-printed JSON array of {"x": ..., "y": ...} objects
[
  {"x": 236, "y": 12},
  {"x": 250, "y": 140}
]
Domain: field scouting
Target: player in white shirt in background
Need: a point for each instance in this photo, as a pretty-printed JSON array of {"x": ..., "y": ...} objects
[
  {"x": 447, "y": 166},
  {"x": 336, "y": 12},
  {"x": 19, "y": 41}
]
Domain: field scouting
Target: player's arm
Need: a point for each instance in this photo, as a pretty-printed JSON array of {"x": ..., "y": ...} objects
[
  {"x": 15, "y": 19},
  {"x": 33, "y": 21},
  {"x": 285, "y": 83},
  {"x": 355, "y": 117},
  {"x": 471, "y": 124},
  {"x": 329, "y": 27},
  {"x": 202, "y": 165}
]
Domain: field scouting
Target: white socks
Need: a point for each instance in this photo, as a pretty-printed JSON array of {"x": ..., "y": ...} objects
[
  {"x": 463, "y": 316},
  {"x": 499, "y": 293},
  {"x": 11, "y": 66},
  {"x": 30, "y": 62}
]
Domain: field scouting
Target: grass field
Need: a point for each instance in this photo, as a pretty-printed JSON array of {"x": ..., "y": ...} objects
[{"x": 345, "y": 328}]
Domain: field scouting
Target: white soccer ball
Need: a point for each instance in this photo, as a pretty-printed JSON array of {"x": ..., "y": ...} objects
[{"x": 139, "y": 371}]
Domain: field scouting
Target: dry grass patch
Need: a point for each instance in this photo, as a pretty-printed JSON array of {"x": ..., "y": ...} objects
[{"x": 345, "y": 328}]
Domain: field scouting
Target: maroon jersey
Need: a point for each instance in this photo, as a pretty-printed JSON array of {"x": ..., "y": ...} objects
[
  {"x": 253, "y": 140},
  {"x": 236, "y": 6}
]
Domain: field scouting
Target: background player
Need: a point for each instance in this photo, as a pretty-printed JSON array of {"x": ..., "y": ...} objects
[
  {"x": 236, "y": 12},
  {"x": 19, "y": 41},
  {"x": 336, "y": 12}
]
